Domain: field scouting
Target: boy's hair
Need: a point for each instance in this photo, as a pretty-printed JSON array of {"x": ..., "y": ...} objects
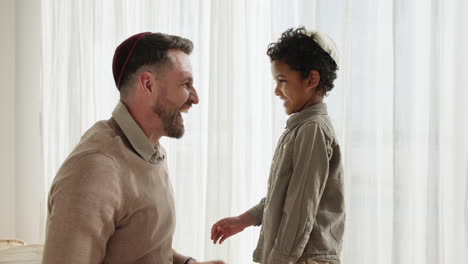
[{"x": 303, "y": 54}]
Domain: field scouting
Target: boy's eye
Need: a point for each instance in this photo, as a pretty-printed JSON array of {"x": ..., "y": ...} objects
[{"x": 281, "y": 81}]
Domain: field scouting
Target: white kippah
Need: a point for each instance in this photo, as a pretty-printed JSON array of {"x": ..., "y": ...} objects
[{"x": 326, "y": 43}]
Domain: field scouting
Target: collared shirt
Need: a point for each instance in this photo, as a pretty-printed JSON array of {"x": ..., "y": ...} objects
[
  {"x": 303, "y": 214},
  {"x": 112, "y": 201}
]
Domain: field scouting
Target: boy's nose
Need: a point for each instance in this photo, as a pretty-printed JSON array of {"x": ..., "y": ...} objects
[{"x": 277, "y": 90}]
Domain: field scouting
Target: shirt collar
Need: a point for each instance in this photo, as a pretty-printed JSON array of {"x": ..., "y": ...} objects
[
  {"x": 297, "y": 118},
  {"x": 135, "y": 134}
]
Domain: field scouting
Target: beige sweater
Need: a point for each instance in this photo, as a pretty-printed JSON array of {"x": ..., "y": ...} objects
[{"x": 112, "y": 200}]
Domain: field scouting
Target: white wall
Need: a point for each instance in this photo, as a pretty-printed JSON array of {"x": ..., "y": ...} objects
[
  {"x": 7, "y": 130},
  {"x": 30, "y": 192},
  {"x": 22, "y": 193}
]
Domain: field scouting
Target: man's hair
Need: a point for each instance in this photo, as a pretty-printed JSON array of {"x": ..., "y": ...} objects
[
  {"x": 302, "y": 53},
  {"x": 152, "y": 50}
]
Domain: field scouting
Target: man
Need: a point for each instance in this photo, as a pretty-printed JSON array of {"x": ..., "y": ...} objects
[{"x": 112, "y": 201}]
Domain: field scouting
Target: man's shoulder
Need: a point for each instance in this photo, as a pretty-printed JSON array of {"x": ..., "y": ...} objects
[
  {"x": 97, "y": 152},
  {"x": 84, "y": 174},
  {"x": 88, "y": 165},
  {"x": 103, "y": 139},
  {"x": 101, "y": 133}
]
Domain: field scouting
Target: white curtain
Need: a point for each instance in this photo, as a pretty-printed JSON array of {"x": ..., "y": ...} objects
[{"x": 400, "y": 109}]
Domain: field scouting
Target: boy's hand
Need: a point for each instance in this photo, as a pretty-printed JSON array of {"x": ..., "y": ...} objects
[{"x": 230, "y": 226}]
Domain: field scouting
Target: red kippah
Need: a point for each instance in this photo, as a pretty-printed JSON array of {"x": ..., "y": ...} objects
[{"x": 122, "y": 54}]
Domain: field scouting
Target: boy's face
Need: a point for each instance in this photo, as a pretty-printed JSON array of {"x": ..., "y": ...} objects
[{"x": 295, "y": 91}]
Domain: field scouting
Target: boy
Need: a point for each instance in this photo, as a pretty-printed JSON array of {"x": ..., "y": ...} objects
[{"x": 303, "y": 214}]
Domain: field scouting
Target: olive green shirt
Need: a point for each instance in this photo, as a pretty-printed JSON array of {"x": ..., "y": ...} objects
[
  {"x": 112, "y": 201},
  {"x": 303, "y": 214}
]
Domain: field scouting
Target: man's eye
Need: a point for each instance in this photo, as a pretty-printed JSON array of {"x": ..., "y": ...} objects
[{"x": 281, "y": 81}]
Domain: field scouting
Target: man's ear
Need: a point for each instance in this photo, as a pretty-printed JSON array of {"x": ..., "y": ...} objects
[{"x": 145, "y": 82}]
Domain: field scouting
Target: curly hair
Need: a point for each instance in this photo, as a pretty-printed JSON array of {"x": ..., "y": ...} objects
[{"x": 302, "y": 53}]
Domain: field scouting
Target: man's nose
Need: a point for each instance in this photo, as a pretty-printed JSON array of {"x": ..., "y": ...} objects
[{"x": 194, "y": 96}]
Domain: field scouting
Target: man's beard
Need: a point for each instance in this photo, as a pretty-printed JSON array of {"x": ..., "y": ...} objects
[{"x": 171, "y": 119}]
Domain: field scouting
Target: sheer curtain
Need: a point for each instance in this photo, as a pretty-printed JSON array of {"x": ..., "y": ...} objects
[{"x": 399, "y": 108}]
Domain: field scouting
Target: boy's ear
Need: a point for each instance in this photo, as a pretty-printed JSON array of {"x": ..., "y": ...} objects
[{"x": 313, "y": 79}]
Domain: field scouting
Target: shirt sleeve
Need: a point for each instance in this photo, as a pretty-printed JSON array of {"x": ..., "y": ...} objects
[
  {"x": 81, "y": 211},
  {"x": 307, "y": 183},
  {"x": 257, "y": 212}
]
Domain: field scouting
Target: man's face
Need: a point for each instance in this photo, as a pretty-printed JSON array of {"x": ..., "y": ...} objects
[
  {"x": 290, "y": 87},
  {"x": 176, "y": 94}
]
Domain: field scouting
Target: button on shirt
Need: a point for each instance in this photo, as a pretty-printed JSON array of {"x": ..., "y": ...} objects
[
  {"x": 112, "y": 201},
  {"x": 303, "y": 214}
]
